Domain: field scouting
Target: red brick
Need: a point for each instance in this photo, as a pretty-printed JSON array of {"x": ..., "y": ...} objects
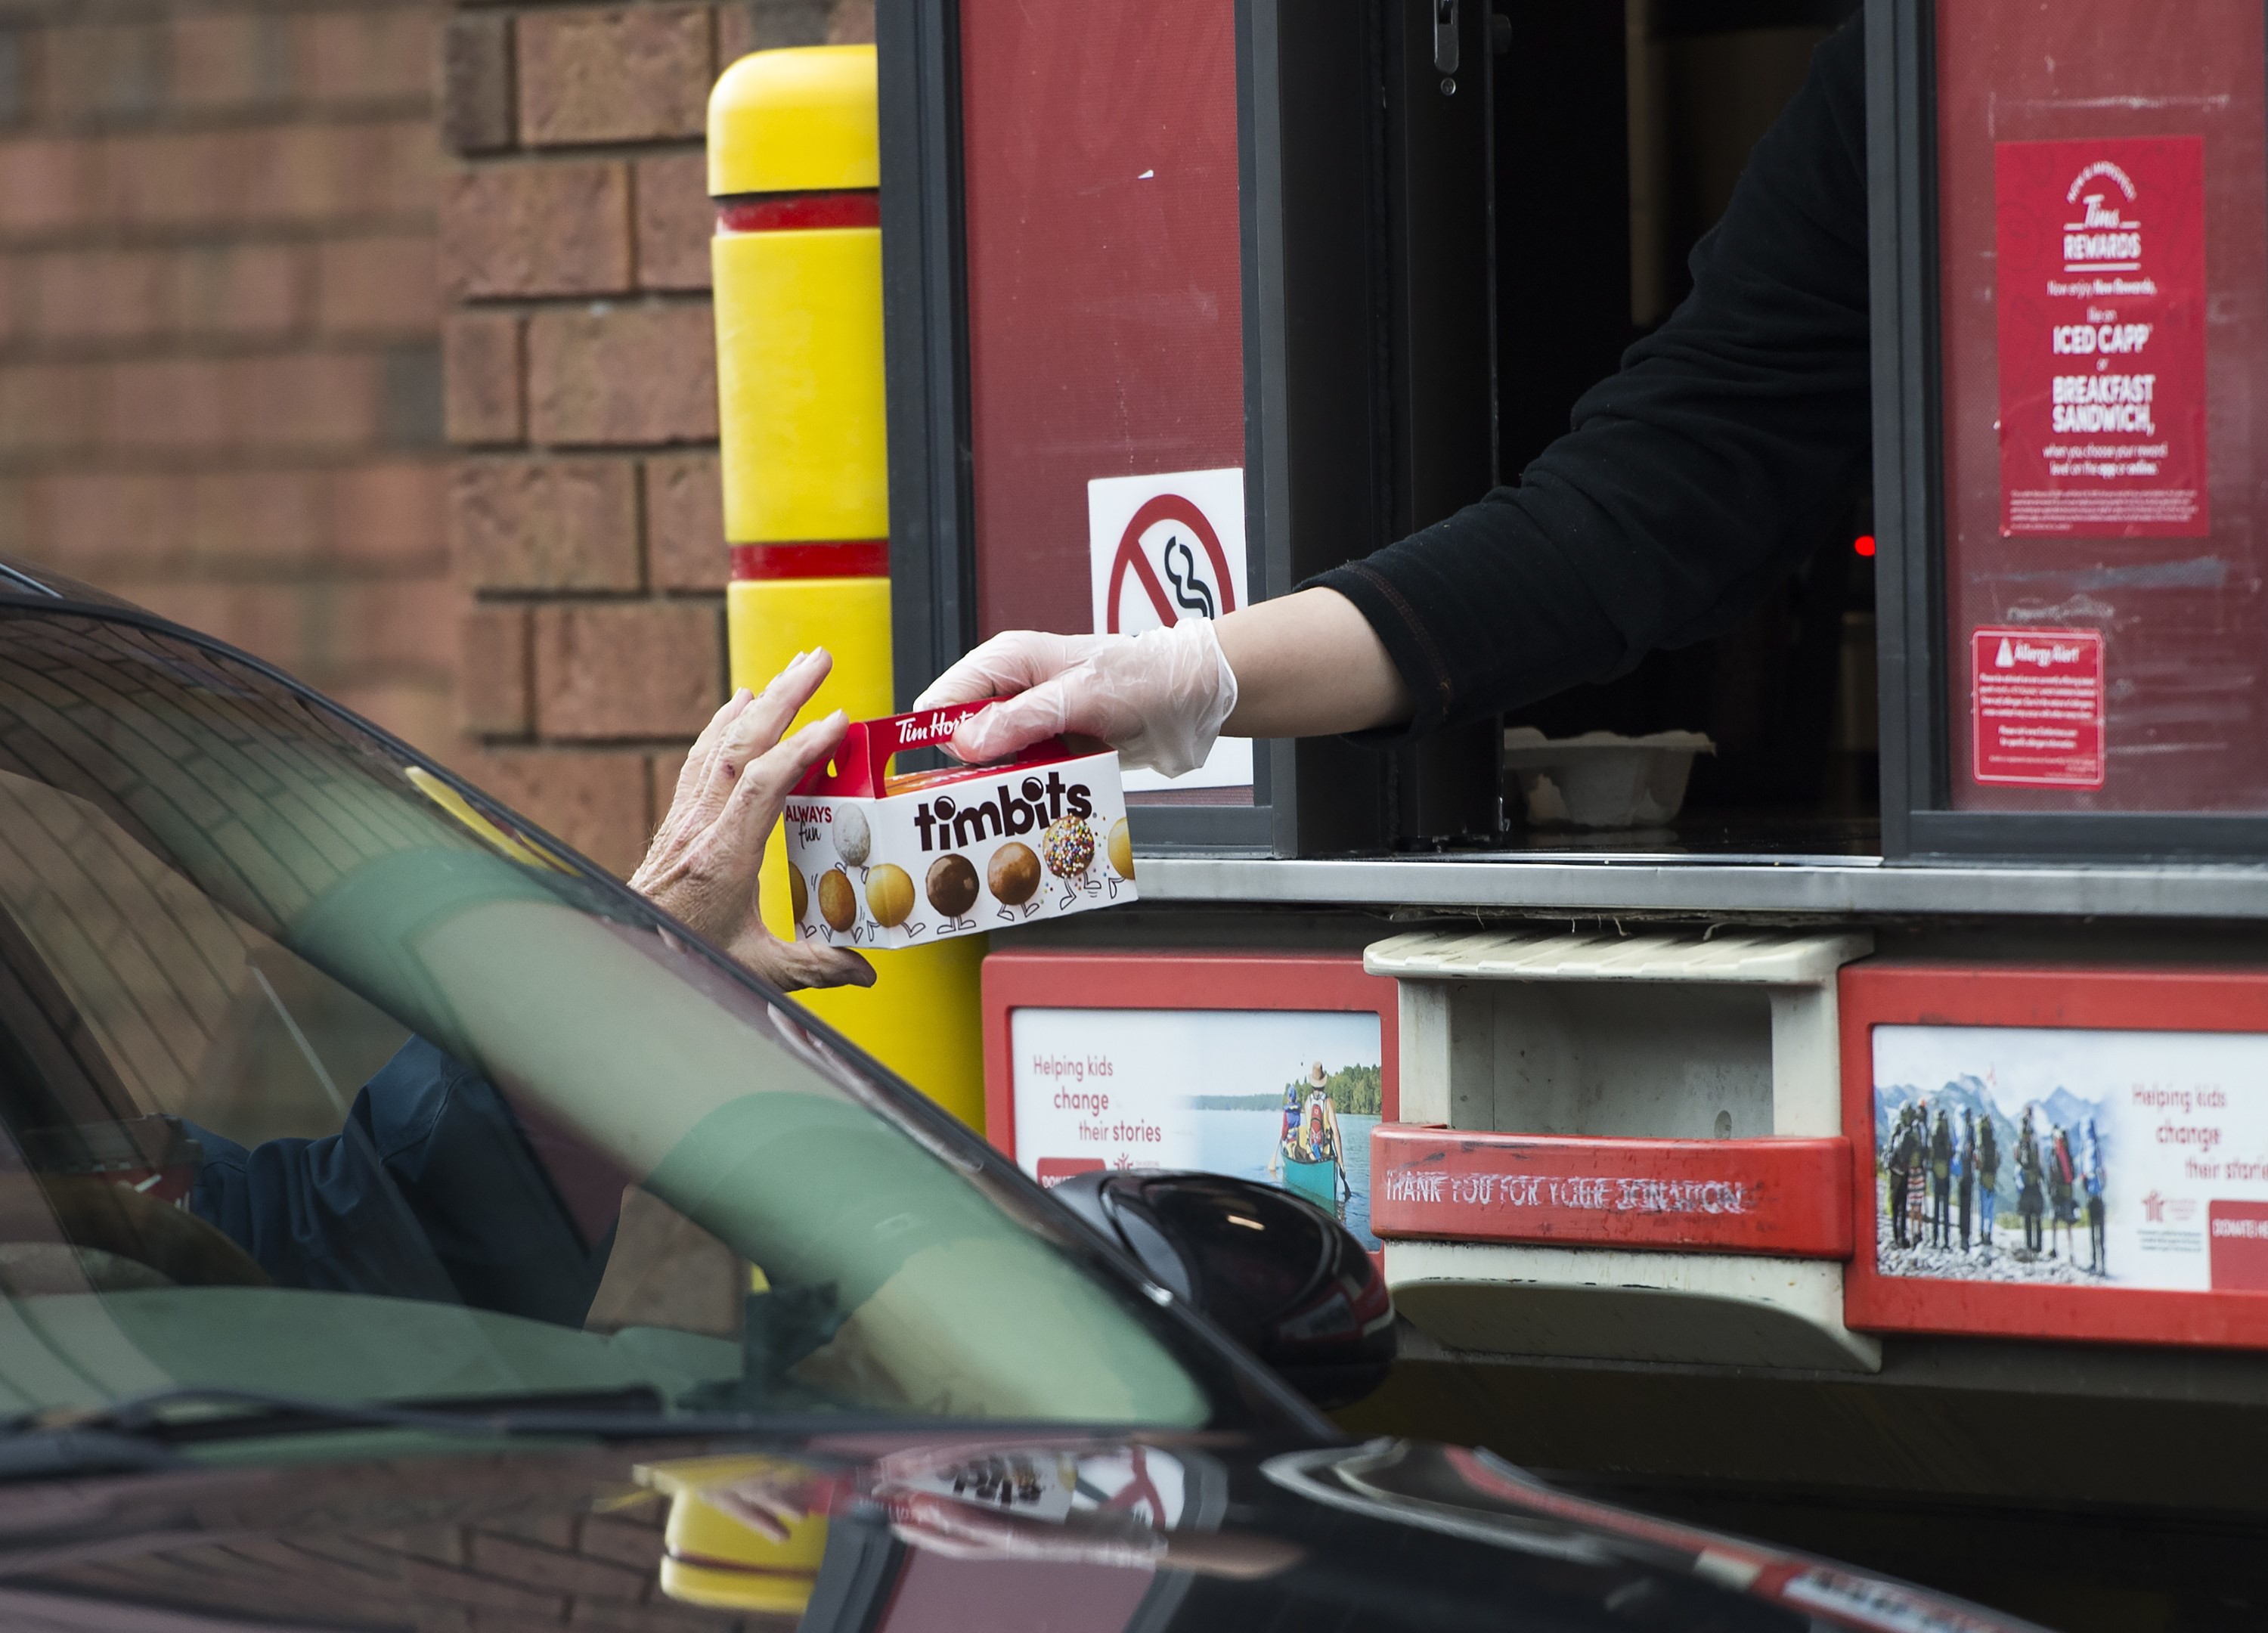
[
  {"x": 244, "y": 291},
  {"x": 271, "y": 518},
  {"x": 685, "y": 524},
  {"x": 17, "y": 281},
  {"x": 545, "y": 524},
  {"x": 258, "y": 175},
  {"x": 228, "y": 60},
  {"x": 595, "y": 803},
  {"x": 394, "y": 514},
  {"x": 99, "y": 295},
  {"x": 383, "y": 286},
  {"x": 492, "y": 671},
  {"x": 320, "y": 401},
  {"x": 675, "y": 222},
  {"x": 366, "y": 55},
  {"x": 382, "y": 167},
  {"x": 50, "y": 408},
  {"x": 768, "y": 23},
  {"x": 299, "y": 402},
  {"x": 637, "y": 75},
  {"x": 482, "y": 362},
  {"x": 191, "y": 178},
  {"x": 637, "y": 375},
  {"x": 854, "y": 23},
  {"x": 112, "y": 71},
  {"x": 272, "y": 622},
  {"x": 392, "y": 624},
  {"x": 48, "y": 183},
  {"x": 96, "y": 525},
  {"x": 419, "y": 709},
  {"x": 172, "y": 404},
  {"x": 265, "y": 175},
  {"x": 476, "y": 115},
  {"x": 561, "y": 229},
  {"x": 616, "y": 672},
  {"x": 20, "y": 533}
]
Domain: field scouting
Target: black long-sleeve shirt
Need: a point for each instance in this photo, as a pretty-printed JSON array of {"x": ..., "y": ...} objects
[{"x": 1693, "y": 479}]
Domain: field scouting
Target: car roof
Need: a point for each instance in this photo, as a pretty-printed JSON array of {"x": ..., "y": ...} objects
[{"x": 21, "y": 578}]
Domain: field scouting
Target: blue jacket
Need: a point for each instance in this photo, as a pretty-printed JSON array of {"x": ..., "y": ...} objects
[{"x": 431, "y": 1191}]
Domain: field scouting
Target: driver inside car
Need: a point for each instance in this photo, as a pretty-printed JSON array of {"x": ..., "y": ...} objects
[{"x": 433, "y": 1188}]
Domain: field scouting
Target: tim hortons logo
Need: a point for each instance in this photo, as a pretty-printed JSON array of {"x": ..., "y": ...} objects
[
  {"x": 950, "y": 824},
  {"x": 920, "y": 730}
]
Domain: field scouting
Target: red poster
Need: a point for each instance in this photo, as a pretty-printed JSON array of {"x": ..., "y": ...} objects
[
  {"x": 2101, "y": 291},
  {"x": 2038, "y": 698}
]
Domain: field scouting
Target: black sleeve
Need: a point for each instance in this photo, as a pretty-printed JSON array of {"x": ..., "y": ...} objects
[{"x": 1729, "y": 443}]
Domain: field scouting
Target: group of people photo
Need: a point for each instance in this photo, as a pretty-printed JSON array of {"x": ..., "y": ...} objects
[{"x": 1947, "y": 1180}]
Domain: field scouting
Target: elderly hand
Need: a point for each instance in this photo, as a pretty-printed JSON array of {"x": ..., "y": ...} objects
[{"x": 703, "y": 865}]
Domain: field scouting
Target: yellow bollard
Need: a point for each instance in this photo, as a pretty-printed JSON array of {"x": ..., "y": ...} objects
[
  {"x": 711, "y": 1557},
  {"x": 794, "y": 166}
]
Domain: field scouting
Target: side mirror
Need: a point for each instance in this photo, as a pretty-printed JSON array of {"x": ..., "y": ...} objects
[{"x": 1275, "y": 1272}]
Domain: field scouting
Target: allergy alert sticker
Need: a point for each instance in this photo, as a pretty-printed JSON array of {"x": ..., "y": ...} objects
[{"x": 2038, "y": 699}]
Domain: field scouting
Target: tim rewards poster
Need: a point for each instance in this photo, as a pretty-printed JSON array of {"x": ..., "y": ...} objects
[
  {"x": 2083, "y": 1158},
  {"x": 2101, "y": 291}
]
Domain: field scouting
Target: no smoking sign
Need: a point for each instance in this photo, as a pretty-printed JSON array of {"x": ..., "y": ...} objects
[{"x": 1162, "y": 549}]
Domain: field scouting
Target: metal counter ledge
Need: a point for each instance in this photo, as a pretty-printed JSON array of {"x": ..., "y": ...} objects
[{"x": 1640, "y": 883}]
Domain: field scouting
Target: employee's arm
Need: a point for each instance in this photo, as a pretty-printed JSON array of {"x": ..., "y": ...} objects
[
  {"x": 1727, "y": 448},
  {"x": 1309, "y": 664}
]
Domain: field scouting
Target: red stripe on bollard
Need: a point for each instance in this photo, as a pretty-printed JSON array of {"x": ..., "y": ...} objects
[
  {"x": 791, "y": 212},
  {"x": 834, "y": 558}
]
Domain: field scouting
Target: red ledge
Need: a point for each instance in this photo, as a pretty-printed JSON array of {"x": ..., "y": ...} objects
[{"x": 1787, "y": 1197}]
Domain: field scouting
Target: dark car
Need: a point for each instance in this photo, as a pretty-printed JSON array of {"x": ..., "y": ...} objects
[{"x": 403, "y": 1225}]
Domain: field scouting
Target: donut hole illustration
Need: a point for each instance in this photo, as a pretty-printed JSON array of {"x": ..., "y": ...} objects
[
  {"x": 1013, "y": 876},
  {"x": 854, "y": 840},
  {"x": 890, "y": 895},
  {"x": 1069, "y": 846},
  {"x": 952, "y": 885},
  {"x": 838, "y": 903}
]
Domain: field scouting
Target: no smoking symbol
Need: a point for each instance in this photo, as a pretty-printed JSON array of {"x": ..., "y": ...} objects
[{"x": 1190, "y": 593}]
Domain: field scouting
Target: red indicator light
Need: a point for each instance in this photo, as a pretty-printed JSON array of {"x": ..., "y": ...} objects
[{"x": 1864, "y": 544}]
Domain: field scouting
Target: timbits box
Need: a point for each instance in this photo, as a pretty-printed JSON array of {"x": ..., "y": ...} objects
[{"x": 878, "y": 860}]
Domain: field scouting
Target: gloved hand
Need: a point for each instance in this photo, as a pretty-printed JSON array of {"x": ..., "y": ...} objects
[{"x": 1158, "y": 698}]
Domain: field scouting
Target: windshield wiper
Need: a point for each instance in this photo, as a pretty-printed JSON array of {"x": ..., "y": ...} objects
[{"x": 142, "y": 1432}]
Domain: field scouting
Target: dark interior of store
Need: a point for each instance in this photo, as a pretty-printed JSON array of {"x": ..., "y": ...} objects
[{"x": 1621, "y": 130}]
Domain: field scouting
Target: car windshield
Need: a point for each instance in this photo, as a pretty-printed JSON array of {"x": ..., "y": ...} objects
[{"x": 318, "y": 1078}]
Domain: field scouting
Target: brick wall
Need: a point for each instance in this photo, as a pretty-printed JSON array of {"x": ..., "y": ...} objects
[
  {"x": 580, "y": 393},
  {"x": 219, "y": 327}
]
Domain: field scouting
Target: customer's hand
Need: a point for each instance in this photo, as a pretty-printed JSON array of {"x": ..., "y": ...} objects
[
  {"x": 702, "y": 868},
  {"x": 1158, "y": 698}
]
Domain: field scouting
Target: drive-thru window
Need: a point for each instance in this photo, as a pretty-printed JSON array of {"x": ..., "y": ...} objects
[{"x": 1907, "y": 1065}]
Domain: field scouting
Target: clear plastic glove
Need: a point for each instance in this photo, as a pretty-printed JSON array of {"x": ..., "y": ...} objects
[
  {"x": 1158, "y": 698},
  {"x": 703, "y": 864}
]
